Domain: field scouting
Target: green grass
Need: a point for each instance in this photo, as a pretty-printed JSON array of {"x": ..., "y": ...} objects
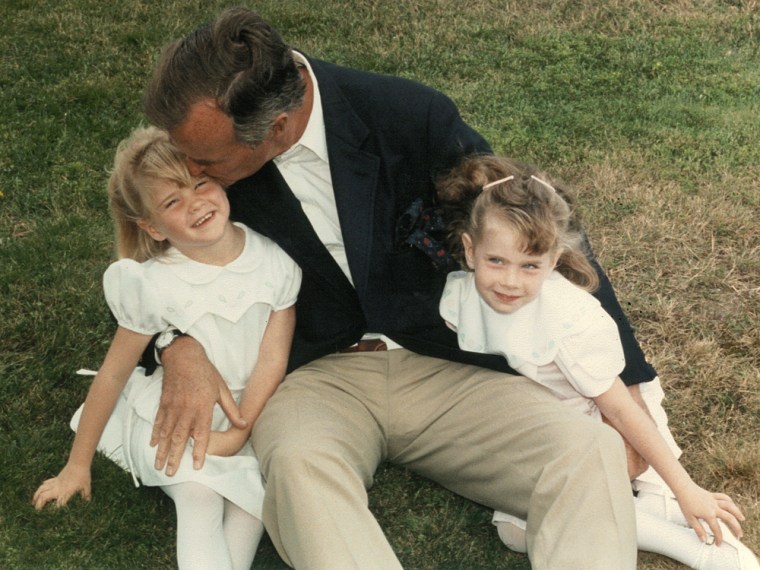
[{"x": 649, "y": 109}]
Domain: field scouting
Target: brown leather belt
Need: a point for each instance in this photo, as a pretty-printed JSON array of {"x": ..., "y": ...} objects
[{"x": 370, "y": 345}]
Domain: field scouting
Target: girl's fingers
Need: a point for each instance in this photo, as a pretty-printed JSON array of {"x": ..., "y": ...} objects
[
  {"x": 716, "y": 530},
  {"x": 729, "y": 513},
  {"x": 728, "y": 505},
  {"x": 40, "y": 498},
  {"x": 42, "y": 489},
  {"x": 730, "y": 520},
  {"x": 49, "y": 492},
  {"x": 696, "y": 525},
  {"x": 63, "y": 498}
]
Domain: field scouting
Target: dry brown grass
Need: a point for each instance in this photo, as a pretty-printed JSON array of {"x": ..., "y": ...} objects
[{"x": 687, "y": 267}]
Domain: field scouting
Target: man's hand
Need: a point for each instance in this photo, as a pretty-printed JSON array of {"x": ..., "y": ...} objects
[{"x": 191, "y": 387}]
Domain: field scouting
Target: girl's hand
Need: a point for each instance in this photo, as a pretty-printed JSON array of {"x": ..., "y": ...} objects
[
  {"x": 71, "y": 480},
  {"x": 226, "y": 443},
  {"x": 698, "y": 503}
]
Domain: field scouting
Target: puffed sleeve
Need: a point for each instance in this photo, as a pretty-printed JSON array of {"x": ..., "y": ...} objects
[
  {"x": 593, "y": 358},
  {"x": 131, "y": 297},
  {"x": 288, "y": 278}
]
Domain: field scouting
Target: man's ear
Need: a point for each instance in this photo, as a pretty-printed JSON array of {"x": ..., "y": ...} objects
[
  {"x": 469, "y": 253},
  {"x": 150, "y": 229},
  {"x": 278, "y": 126}
]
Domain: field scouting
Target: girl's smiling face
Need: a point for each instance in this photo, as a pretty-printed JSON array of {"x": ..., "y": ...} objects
[
  {"x": 191, "y": 217},
  {"x": 506, "y": 277}
]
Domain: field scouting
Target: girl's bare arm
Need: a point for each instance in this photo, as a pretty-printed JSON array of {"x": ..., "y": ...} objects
[
  {"x": 637, "y": 427},
  {"x": 266, "y": 376},
  {"x": 120, "y": 361}
]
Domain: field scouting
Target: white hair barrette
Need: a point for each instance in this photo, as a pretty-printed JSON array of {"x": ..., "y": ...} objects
[
  {"x": 495, "y": 182},
  {"x": 549, "y": 186}
]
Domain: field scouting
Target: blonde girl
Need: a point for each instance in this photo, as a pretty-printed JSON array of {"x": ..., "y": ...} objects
[
  {"x": 525, "y": 295},
  {"x": 183, "y": 264}
]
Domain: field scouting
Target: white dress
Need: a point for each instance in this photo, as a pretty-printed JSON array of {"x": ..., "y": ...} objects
[{"x": 226, "y": 309}]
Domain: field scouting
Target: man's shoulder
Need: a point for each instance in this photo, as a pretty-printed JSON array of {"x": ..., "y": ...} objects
[{"x": 353, "y": 79}]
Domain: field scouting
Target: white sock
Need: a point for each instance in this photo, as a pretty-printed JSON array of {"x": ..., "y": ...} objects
[
  {"x": 512, "y": 535},
  {"x": 242, "y": 533},
  {"x": 201, "y": 543}
]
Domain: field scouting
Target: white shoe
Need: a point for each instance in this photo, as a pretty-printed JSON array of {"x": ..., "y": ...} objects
[
  {"x": 512, "y": 536},
  {"x": 732, "y": 554}
]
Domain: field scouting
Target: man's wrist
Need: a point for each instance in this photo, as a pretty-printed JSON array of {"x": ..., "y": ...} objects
[{"x": 165, "y": 340}]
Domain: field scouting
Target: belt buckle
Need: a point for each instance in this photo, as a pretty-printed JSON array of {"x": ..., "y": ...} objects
[{"x": 366, "y": 345}]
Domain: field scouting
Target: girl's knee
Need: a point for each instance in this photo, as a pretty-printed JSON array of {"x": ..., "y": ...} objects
[{"x": 192, "y": 497}]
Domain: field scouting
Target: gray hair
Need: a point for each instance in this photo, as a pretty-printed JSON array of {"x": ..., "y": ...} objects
[{"x": 240, "y": 62}]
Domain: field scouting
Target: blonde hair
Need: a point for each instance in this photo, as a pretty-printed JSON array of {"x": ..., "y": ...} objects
[
  {"x": 146, "y": 157},
  {"x": 528, "y": 200}
]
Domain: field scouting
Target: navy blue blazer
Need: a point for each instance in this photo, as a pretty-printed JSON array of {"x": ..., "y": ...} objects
[{"x": 388, "y": 138}]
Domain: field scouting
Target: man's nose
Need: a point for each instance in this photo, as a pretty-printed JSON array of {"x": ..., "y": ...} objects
[{"x": 194, "y": 168}]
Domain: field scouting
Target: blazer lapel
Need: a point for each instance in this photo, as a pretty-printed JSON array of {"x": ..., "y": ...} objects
[
  {"x": 354, "y": 175},
  {"x": 265, "y": 202}
]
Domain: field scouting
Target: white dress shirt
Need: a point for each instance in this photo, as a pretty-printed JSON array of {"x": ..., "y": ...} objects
[{"x": 306, "y": 168}]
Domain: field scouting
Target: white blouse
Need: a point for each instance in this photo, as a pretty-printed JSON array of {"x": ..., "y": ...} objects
[
  {"x": 563, "y": 339},
  {"x": 225, "y": 308}
]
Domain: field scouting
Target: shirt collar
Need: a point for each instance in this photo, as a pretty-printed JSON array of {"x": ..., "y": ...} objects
[
  {"x": 313, "y": 137},
  {"x": 197, "y": 273}
]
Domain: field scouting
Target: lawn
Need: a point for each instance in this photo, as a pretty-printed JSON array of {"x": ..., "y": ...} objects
[{"x": 648, "y": 109}]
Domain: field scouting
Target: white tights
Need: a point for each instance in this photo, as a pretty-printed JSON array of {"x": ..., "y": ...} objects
[
  {"x": 660, "y": 524},
  {"x": 212, "y": 532},
  {"x": 661, "y": 528}
]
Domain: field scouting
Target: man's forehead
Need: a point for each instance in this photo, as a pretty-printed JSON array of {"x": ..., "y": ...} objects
[
  {"x": 205, "y": 127},
  {"x": 206, "y": 112},
  {"x": 198, "y": 150}
]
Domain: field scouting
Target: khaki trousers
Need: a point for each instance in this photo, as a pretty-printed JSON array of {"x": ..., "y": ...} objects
[{"x": 500, "y": 440}]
